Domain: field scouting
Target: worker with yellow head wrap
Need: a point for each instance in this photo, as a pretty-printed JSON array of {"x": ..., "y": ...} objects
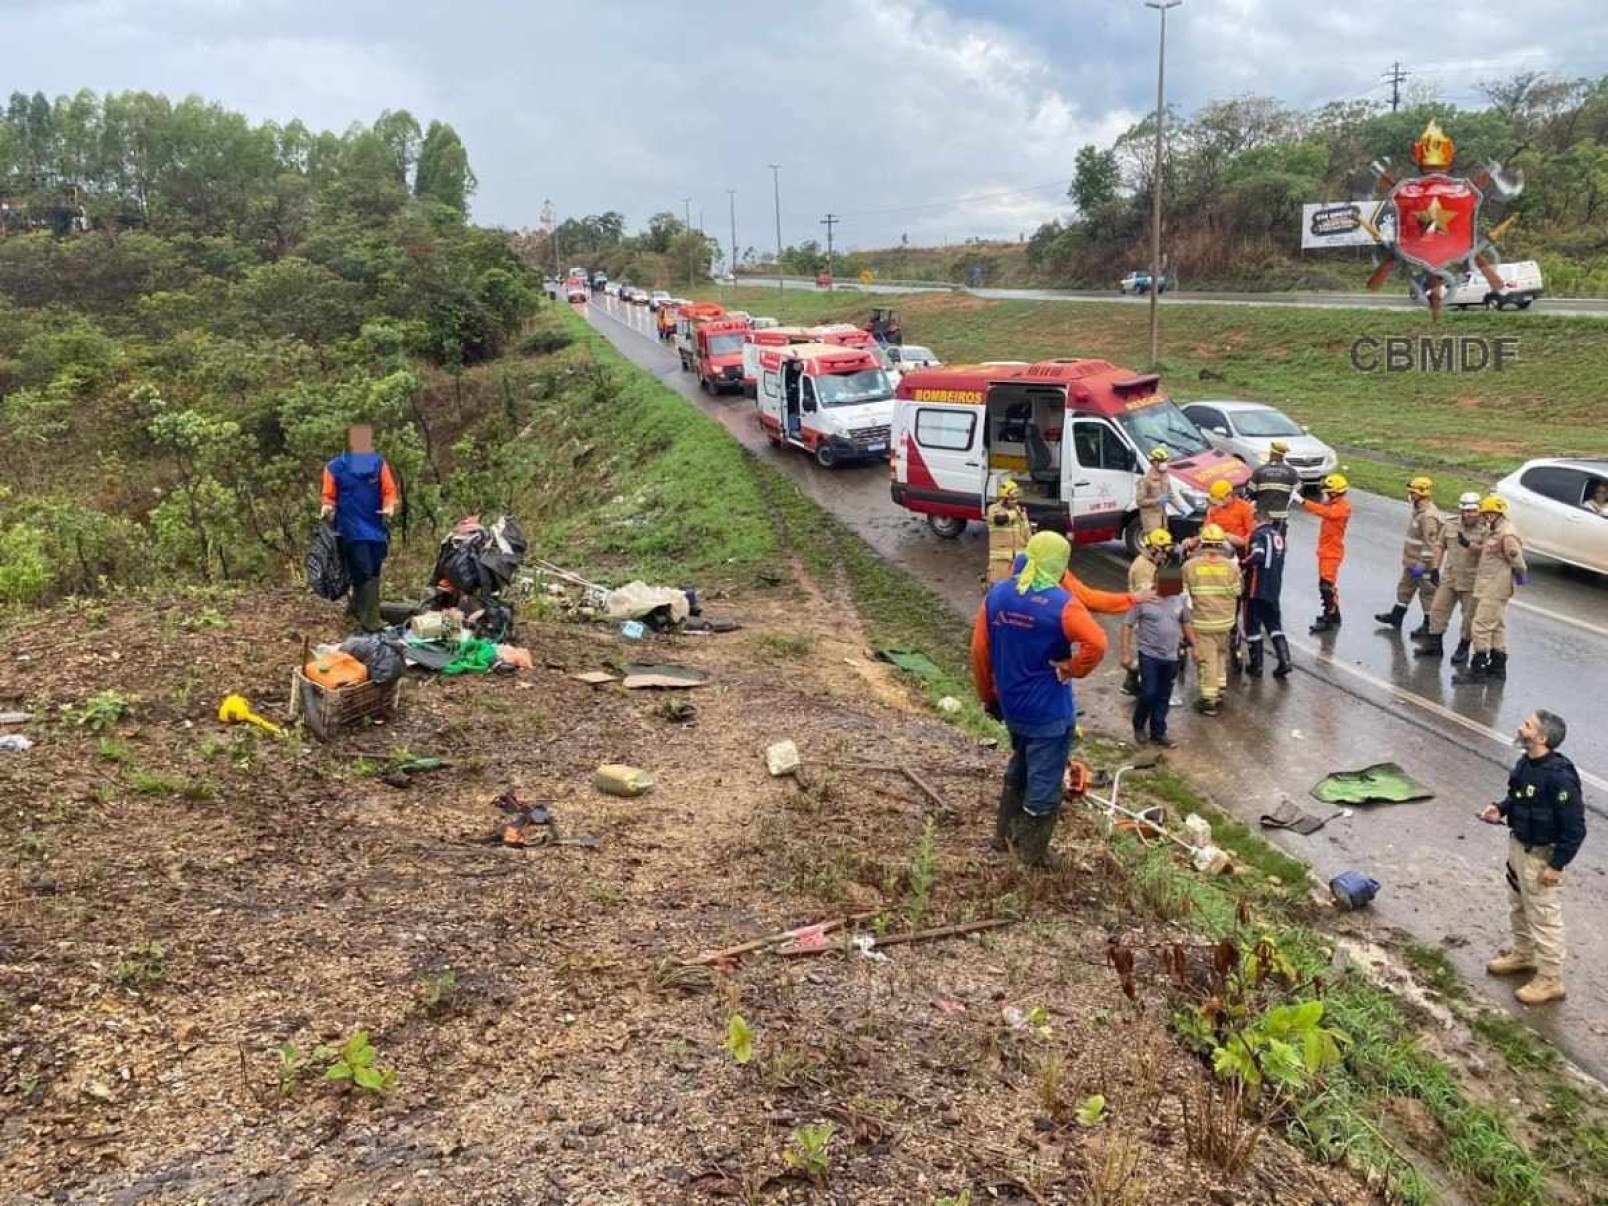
[{"x": 1032, "y": 637}]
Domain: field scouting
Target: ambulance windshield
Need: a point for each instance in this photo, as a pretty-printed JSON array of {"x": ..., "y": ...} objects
[
  {"x": 851, "y": 389},
  {"x": 1160, "y": 424}
]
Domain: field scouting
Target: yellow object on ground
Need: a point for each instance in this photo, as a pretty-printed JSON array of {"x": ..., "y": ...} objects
[{"x": 236, "y": 709}]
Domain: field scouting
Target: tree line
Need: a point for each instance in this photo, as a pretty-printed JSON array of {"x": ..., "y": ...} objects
[{"x": 194, "y": 306}]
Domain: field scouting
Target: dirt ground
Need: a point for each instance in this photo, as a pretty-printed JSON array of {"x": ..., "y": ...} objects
[{"x": 570, "y": 1056}]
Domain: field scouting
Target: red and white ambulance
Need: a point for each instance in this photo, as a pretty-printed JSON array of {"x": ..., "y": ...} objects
[
  {"x": 761, "y": 338},
  {"x": 1075, "y": 435},
  {"x": 833, "y": 402}
]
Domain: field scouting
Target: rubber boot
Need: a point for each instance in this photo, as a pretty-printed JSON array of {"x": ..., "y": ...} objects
[
  {"x": 1496, "y": 667},
  {"x": 1474, "y": 672},
  {"x": 1547, "y": 986},
  {"x": 1460, "y": 654},
  {"x": 1207, "y": 707},
  {"x": 367, "y": 609},
  {"x": 1392, "y": 618},
  {"x": 1033, "y": 834},
  {"x": 1253, "y": 660},
  {"x": 1005, "y": 820},
  {"x": 1433, "y": 646},
  {"x": 1281, "y": 650},
  {"x": 1421, "y": 632}
]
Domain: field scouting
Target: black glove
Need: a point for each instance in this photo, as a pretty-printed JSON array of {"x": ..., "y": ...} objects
[
  {"x": 1434, "y": 577},
  {"x": 1462, "y": 540},
  {"x": 993, "y": 711}
]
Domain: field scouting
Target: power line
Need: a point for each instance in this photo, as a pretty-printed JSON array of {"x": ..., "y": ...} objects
[{"x": 1394, "y": 78}]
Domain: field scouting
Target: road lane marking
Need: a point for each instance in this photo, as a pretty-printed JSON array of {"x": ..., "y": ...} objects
[{"x": 1595, "y": 629}]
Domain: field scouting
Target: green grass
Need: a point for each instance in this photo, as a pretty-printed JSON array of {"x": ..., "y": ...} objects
[
  {"x": 1524, "y": 1050},
  {"x": 1435, "y": 970},
  {"x": 1466, "y": 429}
]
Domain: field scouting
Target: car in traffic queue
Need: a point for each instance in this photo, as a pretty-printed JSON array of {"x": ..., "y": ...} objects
[
  {"x": 1247, "y": 430},
  {"x": 1137, "y": 283},
  {"x": 910, "y": 356},
  {"x": 575, "y": 290},
  {"x": 831, "y": 401},
  {"x": 658, "y": 298},
  {"x": 1521, "y": 285},
  {"x": 1075, "y": 435},
  {"x": 1560, "y": 506}
]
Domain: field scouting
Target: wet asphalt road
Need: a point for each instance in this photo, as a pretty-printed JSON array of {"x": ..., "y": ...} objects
[
  {"x": 1394, "y": 299},
  {"x": 1355, "y": 699}
]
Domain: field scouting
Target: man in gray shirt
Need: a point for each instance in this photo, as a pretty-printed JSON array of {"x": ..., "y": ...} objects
[{"x": 1159, "y": 627}]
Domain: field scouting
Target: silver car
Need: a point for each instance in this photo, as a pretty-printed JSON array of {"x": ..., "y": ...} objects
[
  {"x": 1247, "y": 430},
  {"x": 1561, "y": 509}
]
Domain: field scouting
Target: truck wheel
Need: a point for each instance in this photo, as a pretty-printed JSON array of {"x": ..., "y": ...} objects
[
  {"x": 1524, "y": 302},
  {"x": 826, "y": 456},
  {"x": 946, "y": 526},
  {"x": 1493, "y": 303},
  {"x": 1132, "y": 535}
]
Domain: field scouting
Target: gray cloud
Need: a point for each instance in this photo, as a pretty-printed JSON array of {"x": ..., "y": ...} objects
[{"x": 907, "y": 116}]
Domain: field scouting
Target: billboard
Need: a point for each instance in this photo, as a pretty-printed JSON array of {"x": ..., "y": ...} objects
[{"x": 1339, "y": 224}]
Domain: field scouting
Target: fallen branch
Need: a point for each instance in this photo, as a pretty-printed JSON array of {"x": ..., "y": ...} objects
[
  {"x": 916, "y": 780},
  {"x": 758, "y": 944},
  {"x": 793, "y": 949}
]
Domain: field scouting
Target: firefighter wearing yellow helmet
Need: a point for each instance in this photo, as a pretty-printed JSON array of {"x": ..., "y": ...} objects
[
  {"x": 1334, "y": 514},
  {"x": 1501, "y": 568},
  {"x": 1151, "y": 494},
  {"x": 1420, "y": 558},
  {"x": 1009, "y": 530},
  {"x": 1212, "y": 578}
]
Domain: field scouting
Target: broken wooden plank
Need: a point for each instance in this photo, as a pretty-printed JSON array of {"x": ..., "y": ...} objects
[
  {"x": 793, "y": 949},
  {"x": 758, "y": 944}
]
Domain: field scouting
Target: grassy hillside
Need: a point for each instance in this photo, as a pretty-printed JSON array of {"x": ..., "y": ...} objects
[{"x": 1469, "y": 428}]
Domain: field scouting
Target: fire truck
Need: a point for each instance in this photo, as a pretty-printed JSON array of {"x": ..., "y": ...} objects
[
  {"x": 717, "y": 353},
  {"x": 685, "y": 319},
  {"x": 1075, "y": 435},
  {"x": 833, "y": 402}
]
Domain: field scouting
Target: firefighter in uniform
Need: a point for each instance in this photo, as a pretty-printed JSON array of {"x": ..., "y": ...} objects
[
  {"x": 1150, "y": 495},
  {"x": 1501, "y": 568},
  {"x": 1212, "y": 579},
  {"x": 1418, "y": 553},
  {"x": 1546, "y": 818},
  {"x": 1264, "y": 562},
  {"x": 1335, "y": 513},
  {"x": 1459, "y": 561},
  {"x": 1275, "y": 483},
  {"x": 1154, "y": 549},
  {"x": 1008, "y": 530}
]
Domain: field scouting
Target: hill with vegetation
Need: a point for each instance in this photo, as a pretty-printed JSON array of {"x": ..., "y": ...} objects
[{"x": 192, "y": 309}]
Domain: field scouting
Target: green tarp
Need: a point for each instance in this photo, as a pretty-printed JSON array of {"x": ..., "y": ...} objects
[
  {"x": 910, "y": 661},
  {"x": 1383, "y": 783}
]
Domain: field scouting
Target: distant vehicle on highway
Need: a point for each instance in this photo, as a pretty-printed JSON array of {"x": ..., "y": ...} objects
[
  {"x": 1138, "y": 284},
  {"x": 612, "y": 289},
  {"x": 657, "y": 298},
  {"x": 1554, "y": 502},
  {"x": 575, "y": 290},
  {"x": 1247, "y": 430},
  {"x": 763, "y": 323},
  {"x": 550, "y": 286},
  {"x": 600, "y": 281},
  {"x": 912, "y": 355},
  {"x": 1521, "y": 285}
]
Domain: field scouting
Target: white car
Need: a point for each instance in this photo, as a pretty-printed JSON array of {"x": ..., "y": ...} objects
[
  {"x": 1247, "y": 430},
  {"x": 657, "y": 298},
  {"x": 1521, "y": 285},
  {"x": 912, "y": 355},
  {"x": 1560, "y": 507}
]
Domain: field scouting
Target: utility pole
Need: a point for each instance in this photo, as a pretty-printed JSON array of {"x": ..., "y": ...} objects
[
  {"x": 776, "y": 182},
  {"x": 1396, "y": 75},
  {"x": 731, "y": 268},
  {"x": 1155, "y": 181},
  {"x": 829, "y": 221},
  {"x": 687, "y": 202},
  {"x": 550, "y": 225}
]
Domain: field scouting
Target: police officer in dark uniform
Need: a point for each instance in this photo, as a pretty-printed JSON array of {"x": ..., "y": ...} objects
[
  {"x": 1546, "y": 818},
  {"x": 1264, "y": 582},
  {"x": 1275, "y": 483}
]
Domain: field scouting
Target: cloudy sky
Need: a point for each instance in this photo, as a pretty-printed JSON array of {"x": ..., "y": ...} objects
[{"x": 940, "y": 119}]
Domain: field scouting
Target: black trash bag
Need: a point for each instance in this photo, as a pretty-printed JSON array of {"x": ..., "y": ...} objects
[
  {"x": 326, "y": 568},
  {"x": 381, "y": 654},
  {"x": 480, "y": 559}
]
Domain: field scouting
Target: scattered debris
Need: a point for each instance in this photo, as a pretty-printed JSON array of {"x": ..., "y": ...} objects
[
  {"x": 1382, "y": 783},
  {"x": 1198, "y": 828},
  {"x": 639, "y": 601},
  {"x": 1352, "y": 889},
  {"x": 916, "y": 780},
  {"x": 236, "y": 709},
  {"x": 530, "y": 825},
  {"x": 856, "y": 943},
  {"x": 758, "y": 944},
  {"x": 1209, "y": 860},
  {"x": 616, "y": 779},
  {"x": 15, "y": 743},
  {"x": 708, "y": 627},
  {"x": 782, "y": 759},
  {"x": 595, "y": 678},
  {"x": 949, "y": 704},
  {"x": 381, "y": 655},
  {"x": 1288, "y": 816},
  {"x": 15, "y": 717},
  {"x": 664, "y": 677},
  {"x": 911, "y": 661},
  {"x": 633, "y": 630}
]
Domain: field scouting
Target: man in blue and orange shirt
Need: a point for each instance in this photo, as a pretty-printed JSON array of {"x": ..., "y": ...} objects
[
  {"x": 360, "y": 493},
  {"x": 1032, "y": 637}
]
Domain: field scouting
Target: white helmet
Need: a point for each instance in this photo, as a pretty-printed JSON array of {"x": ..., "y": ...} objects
[{"x": 1469, "y": 501}]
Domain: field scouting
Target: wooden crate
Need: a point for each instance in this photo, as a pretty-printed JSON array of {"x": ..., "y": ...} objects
[{"x": 330, "y": 713}]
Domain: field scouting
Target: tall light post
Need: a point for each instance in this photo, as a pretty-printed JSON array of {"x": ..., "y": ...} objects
[
  {"x": 1161, "y": 6},
  {"x": 776, "y": 184},
  {"x": 731, "y": 195},
  {"x": 687, "y": 202}
]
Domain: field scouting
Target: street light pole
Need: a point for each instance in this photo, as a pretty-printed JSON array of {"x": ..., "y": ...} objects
[
  {"x": 687, "y": 202},
  {"x": 731, "y": 268},
  {"x": 776, "y": 183},
  {"x": 1155, "y": 182}
]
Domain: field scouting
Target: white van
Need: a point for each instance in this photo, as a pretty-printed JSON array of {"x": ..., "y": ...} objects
[
  {"x": 833, "y": 402},
  {"x": 1521, "y": 285}
]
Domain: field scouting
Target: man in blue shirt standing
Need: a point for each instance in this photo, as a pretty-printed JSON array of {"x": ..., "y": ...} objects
[
  {"x": 1032, "y": 636},
  {"x": 360, "y": 493}
]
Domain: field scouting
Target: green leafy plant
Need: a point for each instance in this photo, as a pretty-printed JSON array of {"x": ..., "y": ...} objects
[
  {"x": 438, "y": 990},
  {"x": 357, "y": 1061},
  {"x": 739, "y": 1039},
  {"x": 963, "y": 1198},
  {"x": 145, "y": 966},
  {"x": 923, "y": 875},
  {"x": 1286, "y": 1045},
  {"x": 808, "y": 1152},
  {"x": 101, "y": 711},
  {"x": 292, "y": 1067},
  {"x": 1091, "y": 1111}
]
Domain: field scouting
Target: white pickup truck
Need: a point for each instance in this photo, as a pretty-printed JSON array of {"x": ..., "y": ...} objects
[{"x": 1521, "y": 285}]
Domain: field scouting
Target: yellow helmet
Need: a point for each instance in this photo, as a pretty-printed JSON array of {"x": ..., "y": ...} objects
[
  {"x": 1220, "y": 490},
  {"x": 1158, "y": 455},
  {"x": 1160, "y": 538},
  {"x": 1493, "y": 504},
  {"x": 1336, "y": 483},
  {"x": 1420, "y": 485},
  {"x": 1213, "y": 534},
  {"x": 1279, "y": 446},
  {"x": 1009, "y": 488}
]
